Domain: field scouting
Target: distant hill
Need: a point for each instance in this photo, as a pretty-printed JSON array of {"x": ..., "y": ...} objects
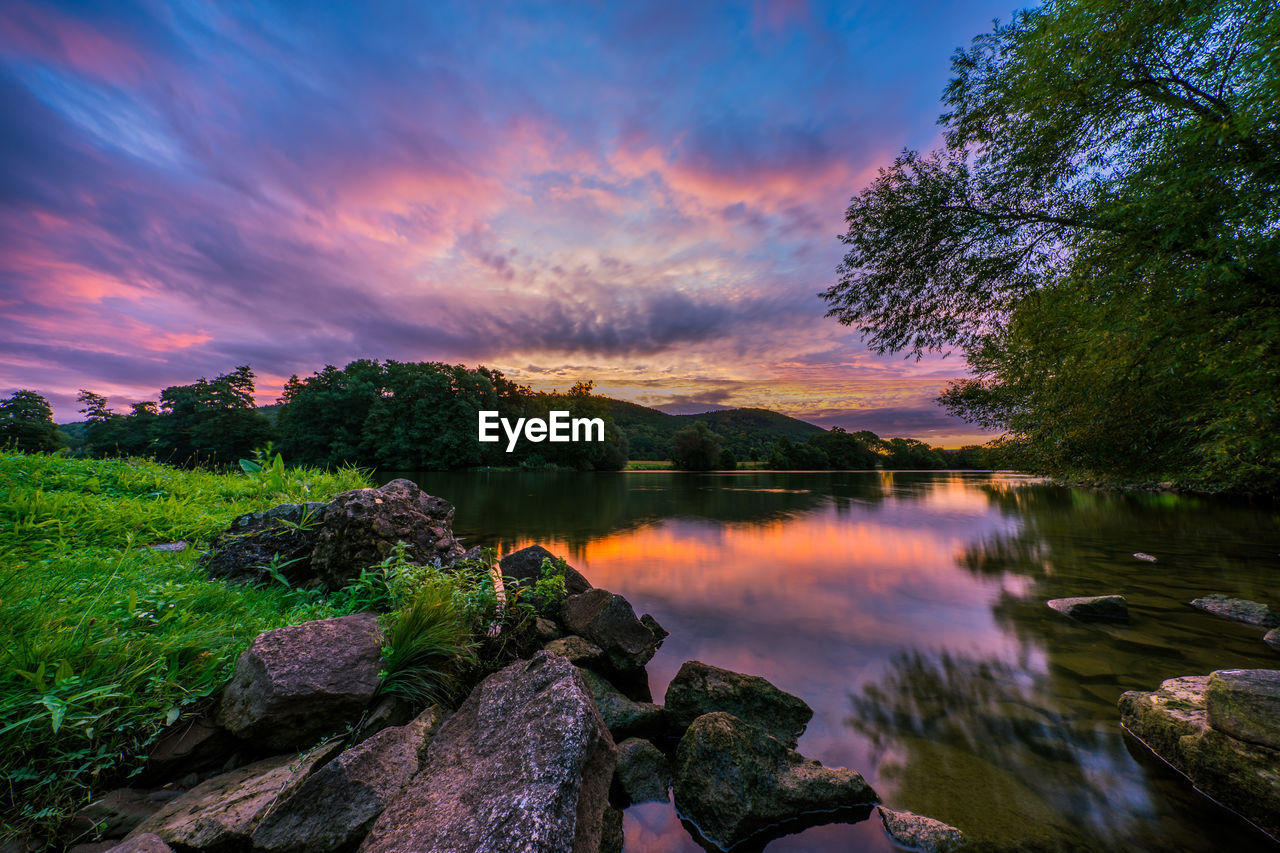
[{"x": 649, "y": 431}]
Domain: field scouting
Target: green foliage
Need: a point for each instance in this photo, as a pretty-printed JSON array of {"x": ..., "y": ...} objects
[
  {"x": 549, "y": 590},
  {"x": 26, "y": 423},
  {"x": 1100, "y": 235},
  {"x": 428, "y": 646},
  {"x": 107, "y": 641},
  {"x": 266, "y": 469}
]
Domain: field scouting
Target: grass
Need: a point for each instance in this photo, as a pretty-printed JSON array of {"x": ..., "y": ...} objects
[{"x": 106, "y": 640}]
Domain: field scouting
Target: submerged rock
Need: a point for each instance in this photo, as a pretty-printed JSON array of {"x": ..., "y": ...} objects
[
  {"x": 1173, "y": 722},
  {"x": 297, "y": 683},
  {"x": 700, "y": 688},
  {"x": 918, "y": 832},
  {"x": 622, "y": 716},
  {"x": 1239, "y": 609},
  {"x": 524, "y": 764},
  {"x": 1093, "y": 608},
  {"x": 361, "y": 527},
  {"x": 643, "y": 774},
  {"x": 335, "y": 806},
  {"x": 608, "y": 621},
  {"x": 1245, "y": 703},
  {"x": 1272, "y": 638},
  {"x": 734, "y": 780},
  {"x": 284, "y": 535},
  {"x": 526, "y": 565}
]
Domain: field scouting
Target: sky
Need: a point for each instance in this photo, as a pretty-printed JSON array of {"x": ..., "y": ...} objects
[{"x": 648, "y": 195}]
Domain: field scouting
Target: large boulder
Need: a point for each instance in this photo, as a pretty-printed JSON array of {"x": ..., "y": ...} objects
[
  {"x": 643, "y": 774},
  {"x": 1238, "y": 609},
  {"x": 221, "y": 813},
  {"x": 361, "y": 527},
  {"x": 622, "y": 716},
  {"x": 700, "y": 688},
  {"x": 917, "y": 832},
  {"x": 298, "y": 683},
  {"x": 526, "y": 565},
  {"x": 734, "y": 780},
  {"x": 335, "y": 806},
  {"x": 524, "y": 764},
  {"x": 1245, "y": 703},
  {"x": 1093, "y": 608},
  {"x": 608, "y": 621},
  {"x": 1173, "y": 722},
  {"x": 283, "y": 535}
]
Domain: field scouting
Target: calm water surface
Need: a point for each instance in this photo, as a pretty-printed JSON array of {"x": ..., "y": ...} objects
[{"x": 908, "y": 610}]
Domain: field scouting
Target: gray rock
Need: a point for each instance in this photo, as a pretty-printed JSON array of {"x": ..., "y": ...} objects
[
  {"x": 918, "y": 832},
  {"x": 608, "y": 621},
  {"x": 1173, "y": 723},
  {"x": 643, "y": 773},
  {"x": 222, "y": 812},
  {"x": 1239, "y": 609},
  {"x": 388, "y": 711},
  {"x": 1093, "y": 608},
  {"x": 526, "y": 565},
  {"x": 285, "y": 534},
  {"x": 1272, "y": 638},
  {"x": 298, "y": 683},
  {"x": 621, "y": 715},
  {"x": 175, "y": 547},
  {"x": 657, "y": 630},
  {"x": 117, "y": 813},
  {"x": 145, "y": 843},
  {"x": 733, "y": 780},
  {"x": 1245, "y": 703},
  {"x": 700, "y": 688},
  {"x": 524, "y": 764},
  {"x": 611, "y": 840},
  {"x": 195, "y": 744},
  {"x": 336, "y": 805},
  {"x": 361, "y": 527},
  {"x": 545, "y": 630},
  {"x": 577, "y": 651}
]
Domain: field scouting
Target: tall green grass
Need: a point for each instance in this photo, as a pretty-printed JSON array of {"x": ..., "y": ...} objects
[{"x": 104, "y": 641}]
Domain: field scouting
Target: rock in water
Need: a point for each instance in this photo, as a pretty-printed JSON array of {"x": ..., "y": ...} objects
[
  {"x": 298, "y": 683},
  {"x": 608, "y": 621},
  {"x": 733, "y": 780},
  {"x": 284, "y": 534},
  {"x": 918, "y": 832},
  {"x": 1173, "y": 723},
  {"x": 643, "y": 772},
  {"x": 700, "y": 688},
  {"x": 334, "y": 807},
  {"x": 361, "y": 527},
  {"x": 1245, "y": 703},
  {"x": 1239, "y": 609},
  {"x": 221, "y": 813},
  {"x": 524, "y": 764},
  {"x": 1093, "y": 608},
  {"x": 526, "y": 565},
  {"x": 1272, "y": 638}
]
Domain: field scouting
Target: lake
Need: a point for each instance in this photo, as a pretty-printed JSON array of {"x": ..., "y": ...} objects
[{"x": 908, "y": 609}]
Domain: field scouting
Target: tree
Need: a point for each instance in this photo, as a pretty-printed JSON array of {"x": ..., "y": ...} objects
[
  {"x": 26, "y": 423},
  {"x": 695, "y": 448},
  {"x": 1099, "y": 234}
]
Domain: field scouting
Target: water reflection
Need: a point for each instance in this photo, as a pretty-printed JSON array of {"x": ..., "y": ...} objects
[{"x": 908, "y": 610}]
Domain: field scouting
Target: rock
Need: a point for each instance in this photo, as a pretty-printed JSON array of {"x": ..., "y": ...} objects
[
  {"x": 1094, "y": 608},
  {"x": 577, "y": 651},
  {"x": 117, "y": 813},
  {"x": 1146, "y": 558},
  {"x": 1173, "y": 723},
  {"x": 145, "y": 843},
  {"x": 526, "y": 565},
  {"x": 524, "y": 764},
  {"x": 361, "y": 527},
  {"x": 918, "y": 832},
  {"x": 643, "y": 773},
  {"x": 699, "y": 688},
  {"x": 195, "y": 744},
  {"x": 544, "y": 629},
  {"x": 611, "y": 840},
  {"x": 1238, "y": 609},
  {"x": 733, "y": 780},
  {"x": 1245, "y": 703},
  {"x": 658, "y": 631},
  {"x": 298, "y": 683},
  {"x": 1272, "y": 638},
  {"x": 175, "y": 547},
  {"x": 335, "y": 806},
  {"x": 621, "y": 715},
  {"x": 284, "y": 534},
  {"x": 389, "y": 711},
  {"x": 222, "y": 812},
  {"x": 608, "y": 621}
]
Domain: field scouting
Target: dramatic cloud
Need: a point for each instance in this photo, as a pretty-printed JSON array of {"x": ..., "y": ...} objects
[{"x": 647, "y": 195}]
